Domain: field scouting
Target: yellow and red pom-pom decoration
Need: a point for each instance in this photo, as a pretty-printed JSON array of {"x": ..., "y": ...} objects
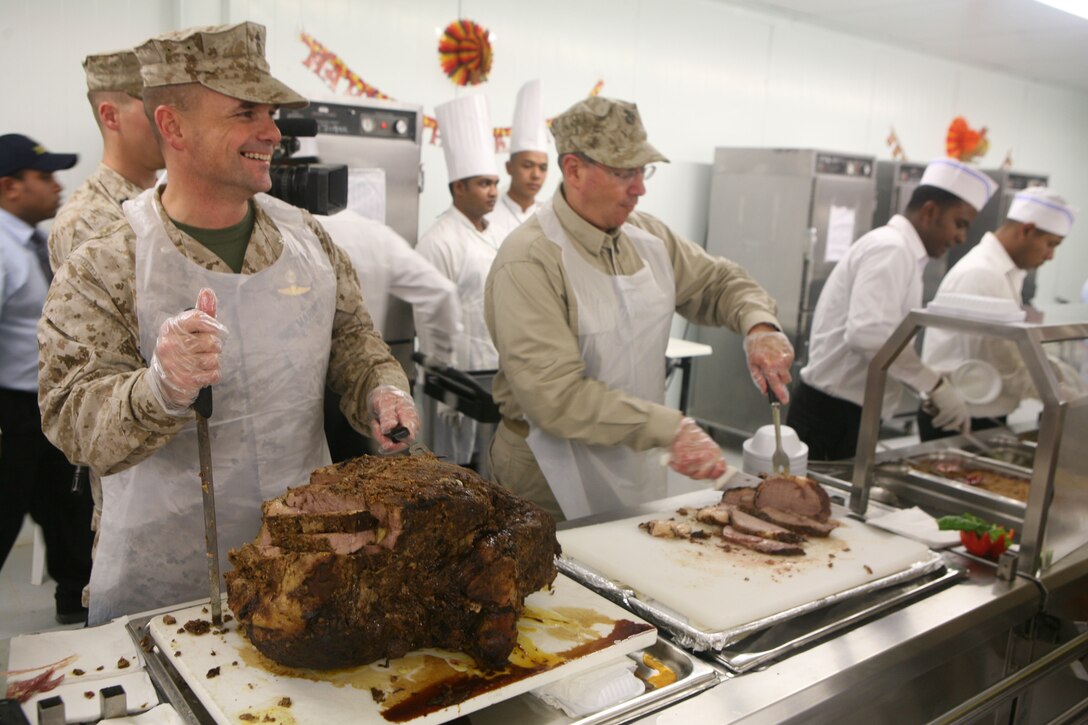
[
  {"x": 965, "y": 143},
  {"x": 464, "y": 50}
]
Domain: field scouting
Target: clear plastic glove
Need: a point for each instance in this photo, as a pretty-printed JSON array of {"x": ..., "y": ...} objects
[
  {"x": 770, "y": 356},
  {"x": 186, "y": 356},
  {"x": 391, "y": 407},
  {"x": 1070, "y": 383},
  {"x": 948, "y": 408},
  {"x": 694, "y": 453}
]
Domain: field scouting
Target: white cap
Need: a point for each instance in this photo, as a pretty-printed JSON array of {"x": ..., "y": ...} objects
[
  {"x": 1044, "y": 208},
  {"x": 956, "y": 177},
  {"x": 529, "y": 132},
  {"x": 467, "y": 138}
]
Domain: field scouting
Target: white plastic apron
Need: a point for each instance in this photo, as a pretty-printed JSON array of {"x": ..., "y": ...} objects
[
  {"x": 455, "y": 435},
  {"x": 266, "y": 426},
  {"x": 623, "y": 330}
]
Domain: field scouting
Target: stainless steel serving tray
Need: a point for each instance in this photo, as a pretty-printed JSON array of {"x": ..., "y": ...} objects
[
  {"x": 973, "y": 498},
  {"x": 691, "y": 637},
  {"x": 693, "y": 676},
  {"x": 1006, "y": 449}
]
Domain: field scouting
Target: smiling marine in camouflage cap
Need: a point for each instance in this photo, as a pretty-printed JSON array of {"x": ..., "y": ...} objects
[
  {"x": 123, "y": 360},
  {"x": 579, "y": 302},
  {"x": 228, "y": 59}
]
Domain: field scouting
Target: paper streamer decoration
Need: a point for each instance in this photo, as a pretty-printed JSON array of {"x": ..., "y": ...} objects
[
  {"x": 464, "y": 50},
  {"x": 334, "y": 73},
  {"x": 963, "y": 142}
]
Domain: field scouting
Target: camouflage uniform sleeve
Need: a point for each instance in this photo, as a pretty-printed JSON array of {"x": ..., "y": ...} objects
[
  {"x": 67, "y": 229},
  {"x": 93, "y": 391},
  {"x": 359, "y": 360}
]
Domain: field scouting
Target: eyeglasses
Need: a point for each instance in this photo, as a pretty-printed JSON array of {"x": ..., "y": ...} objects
[{"x": 625, "y": 176}]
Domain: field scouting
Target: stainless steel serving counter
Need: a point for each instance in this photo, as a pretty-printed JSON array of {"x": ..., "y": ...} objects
[{"x": 911, "y": 665}]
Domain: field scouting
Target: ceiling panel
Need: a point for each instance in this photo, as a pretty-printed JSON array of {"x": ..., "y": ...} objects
[{"x": 1021, "y": 37}]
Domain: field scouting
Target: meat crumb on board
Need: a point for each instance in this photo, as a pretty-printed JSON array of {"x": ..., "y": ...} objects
[
  {"x": 248, "y": 717},
  {"x": 868, "y": 570},
  {"x": 197, "y": 626},
  {"x": 77, "y": 672},
  {"x": 89, "y": 694},
  {"x": 169, "y": 620},
  {"x": 213, "y": 672},
  {"x": 285, "y": 702},
  {"x": 378, "y": 695},
  {"x": 122, "y": 663}
]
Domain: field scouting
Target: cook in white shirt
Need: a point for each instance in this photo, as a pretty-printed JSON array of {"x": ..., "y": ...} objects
[
  {"x": 388, "y": 267},
  {"x": 459, "y": 246},
  {"x": 1037, "y": 221},
  {"x": 868, "y": 294},
  {"x": 528, "y": 164}
]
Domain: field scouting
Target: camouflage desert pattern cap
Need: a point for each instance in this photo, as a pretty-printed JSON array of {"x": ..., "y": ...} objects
[
  {"x": 117, "y": 71},
  {"x": 228, "y": 59},
  {"x": 606, "y": 130}
]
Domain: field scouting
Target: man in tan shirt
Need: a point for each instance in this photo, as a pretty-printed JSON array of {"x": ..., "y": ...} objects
[
  {"x": 130, "y": 153},
  {"x": 579, "y": 303}
]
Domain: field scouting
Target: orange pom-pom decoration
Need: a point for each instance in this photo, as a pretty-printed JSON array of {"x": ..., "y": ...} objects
[
  {"x": 963, "y": 142},
  {"x": 465, "y": 52}
]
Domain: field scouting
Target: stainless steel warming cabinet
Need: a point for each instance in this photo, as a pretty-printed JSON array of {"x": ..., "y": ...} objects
[{"x": 786, "y": 216}]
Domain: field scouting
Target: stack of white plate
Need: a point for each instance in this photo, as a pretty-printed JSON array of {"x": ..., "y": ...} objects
[{"x": 758, "y": 449}]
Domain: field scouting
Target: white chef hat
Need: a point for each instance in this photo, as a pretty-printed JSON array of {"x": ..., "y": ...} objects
[
  {"x": 956, "y": 177},
  {"x": 1043, "y": 207},
  {"x": 529, "y": 132},
  {"x": 467, "y": 138}
]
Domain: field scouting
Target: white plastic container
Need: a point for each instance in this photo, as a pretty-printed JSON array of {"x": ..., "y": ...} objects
[
  {"x": 977, "y": 381},
  {"x": 758, "y": 449}
]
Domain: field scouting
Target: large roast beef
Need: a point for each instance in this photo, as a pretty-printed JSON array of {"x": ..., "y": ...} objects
[{"x": 376, "y": 557}]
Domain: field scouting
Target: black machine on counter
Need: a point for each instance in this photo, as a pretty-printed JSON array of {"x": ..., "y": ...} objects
[{"x": 377, "y": 144}]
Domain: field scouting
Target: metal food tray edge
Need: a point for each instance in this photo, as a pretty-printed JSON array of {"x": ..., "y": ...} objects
[
  {"x": 700, "y": 640},
  {"x": 702, "y": 677}
]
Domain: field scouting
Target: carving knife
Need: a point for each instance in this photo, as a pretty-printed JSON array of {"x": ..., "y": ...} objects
[{"x": 203, "y": 408}]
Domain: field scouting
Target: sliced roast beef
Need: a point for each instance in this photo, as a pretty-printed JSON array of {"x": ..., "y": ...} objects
[
  {"x": 376, "y": 557},
  {"x": 748, "y": 524},
  {"x": 793, "y": 522},
  {"x": 796, "y": 494},
  {"x": 718, "y": 515},
  {"x": 741, "y": 496},
  {"x": 667, "y": 529},
  {"x": 758, "y": 543}
]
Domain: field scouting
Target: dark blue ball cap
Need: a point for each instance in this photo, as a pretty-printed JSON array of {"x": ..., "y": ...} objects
[{"x": 17, "y": 152}]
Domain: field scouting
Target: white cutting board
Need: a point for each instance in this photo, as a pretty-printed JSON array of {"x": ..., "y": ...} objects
[
  {"x": 718, "y": 590},
  {"x": 96, "y": 657},
  {"x": 248, "y": 684}
]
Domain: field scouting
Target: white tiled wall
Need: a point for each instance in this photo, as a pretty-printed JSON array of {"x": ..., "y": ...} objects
[{"x": 704, "y": 73}]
